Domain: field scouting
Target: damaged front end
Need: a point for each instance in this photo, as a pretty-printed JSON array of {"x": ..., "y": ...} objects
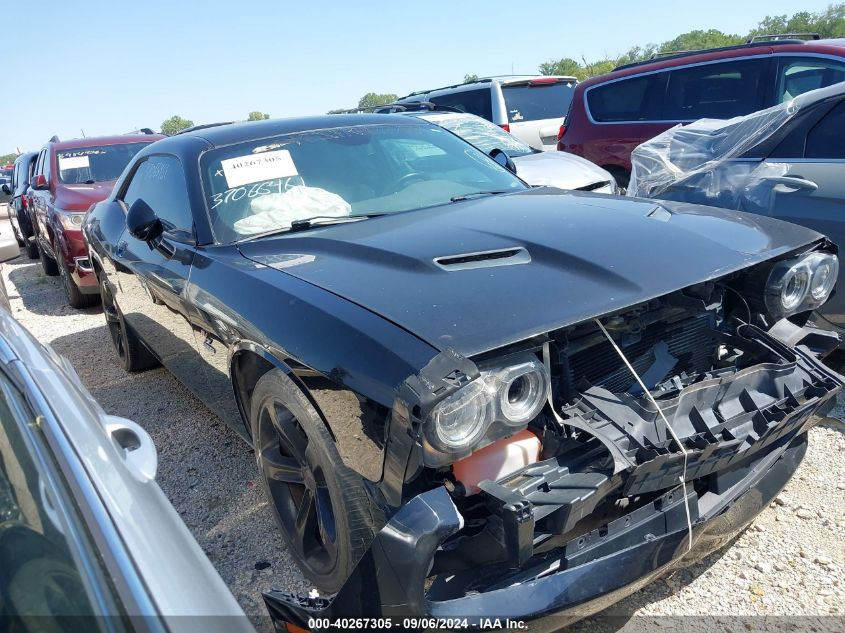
[{"x": 606, "y": 486}]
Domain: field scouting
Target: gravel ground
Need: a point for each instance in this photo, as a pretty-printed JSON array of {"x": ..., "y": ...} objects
[{"x": 790, "y": 562}]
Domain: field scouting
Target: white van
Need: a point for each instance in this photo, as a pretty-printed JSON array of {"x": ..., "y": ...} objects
[{"x": 532, "y": 108}]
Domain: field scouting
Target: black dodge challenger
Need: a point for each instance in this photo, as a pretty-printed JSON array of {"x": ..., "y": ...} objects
[{"x": 468, "y": 398}]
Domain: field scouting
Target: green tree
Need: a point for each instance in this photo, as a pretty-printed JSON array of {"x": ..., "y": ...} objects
[
  {"x": 827, "y": 23},
  {"x": 7, "y": 158},
  {"x": 372, "y": 99},
  {"x": 697, "y": 40},
  {"x": 175, "y": 124},
  {"x": 255, "y": 115},
  {"x": 563, "y": 66},
  {"x": 470, "y": 78}
]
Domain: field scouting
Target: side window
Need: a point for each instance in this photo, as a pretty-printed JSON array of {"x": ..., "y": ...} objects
[
  {"x": 39, "y": 163},
  {"x": 716, "y": 91},
  {"x": 634, "y": 99},
  {"x": 160, "y": 182},
  {"x": 43, "y": 577},
  {"x": 827, "y": 138},
  {"x": 478, "y": 102},
  {"x": 798, "y": 75}
]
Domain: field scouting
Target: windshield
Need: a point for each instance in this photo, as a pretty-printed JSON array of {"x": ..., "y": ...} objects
[
  {"x": 484, "y": 135},
  {"x": 95, "y": 164},
  {"x": 265, "y": 185},
  {"x": 535, "y": 102}
]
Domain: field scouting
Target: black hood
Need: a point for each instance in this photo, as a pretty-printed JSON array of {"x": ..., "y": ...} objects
[{"x": 560, "y": 259}]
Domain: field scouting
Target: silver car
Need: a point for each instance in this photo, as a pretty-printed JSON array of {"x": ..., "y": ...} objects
[
  {"x": 530, "y": 107},
  {"x": 550, "y": 169},
  {"x": 85, "y": 531},
  {"x": 787, "y": 162}
]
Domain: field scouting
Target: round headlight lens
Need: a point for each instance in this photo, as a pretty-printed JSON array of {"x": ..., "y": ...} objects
[
  {"x": 795, "y": 286},
  {"x": 801, "y": 284},
  {"x": 522, "y": 392},
  {"x": 824, "y": 278},
  {"x": 461, "y": 418}
]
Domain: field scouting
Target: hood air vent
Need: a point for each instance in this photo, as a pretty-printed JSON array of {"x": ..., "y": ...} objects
[{"x": 484, "y": 259}]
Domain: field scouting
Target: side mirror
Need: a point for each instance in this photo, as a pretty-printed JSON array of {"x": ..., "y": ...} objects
[
  {"x": 142, "y": 221},
  {"x": 503, "y": 159},
  {"x": 40, "y": 182},
  {"x": 6, "y": 190}
]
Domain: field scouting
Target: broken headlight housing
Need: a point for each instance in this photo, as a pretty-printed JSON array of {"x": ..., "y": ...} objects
[
  {"x": 503, "y": 399},
  {"x": 801, "y": 284}
]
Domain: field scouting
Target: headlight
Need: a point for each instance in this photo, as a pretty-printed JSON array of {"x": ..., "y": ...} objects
[
  {"x": 461, "y": 418},
  {"x": 520, "y": 391},
  {"x": 71, "y": 221},
  {"x": 504, "y": 398},
  {"x": 798, "y": 285}
]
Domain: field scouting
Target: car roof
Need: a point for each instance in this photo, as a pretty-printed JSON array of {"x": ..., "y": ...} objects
[
  {"x": 117, "y": 139},
  {"x": 834, "y": 47},
  {"x": 26, "y": 156},
  {"x": 228, "y": 133},
  {"x": 505, "y": 80}
]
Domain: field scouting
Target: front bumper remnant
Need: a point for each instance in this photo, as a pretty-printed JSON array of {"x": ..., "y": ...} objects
[{"x": 585, "y": 576}]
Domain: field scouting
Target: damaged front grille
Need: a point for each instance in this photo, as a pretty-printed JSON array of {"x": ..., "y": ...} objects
[
  {"x": 683, "y": 346},
  {"x": 733, "y": 393}
]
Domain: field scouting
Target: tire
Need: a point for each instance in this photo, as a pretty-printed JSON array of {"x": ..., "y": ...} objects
[
  {"x": 133, "y": 354},
  {"x": 300, "y": 466},
  {"x": 31, "y": 246},
  {"x": 48, "y": 264},
  {"x": 74, "y": 297}
]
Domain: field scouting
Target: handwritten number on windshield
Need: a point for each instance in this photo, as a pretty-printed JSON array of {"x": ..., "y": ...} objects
[{"x": 256, "y": 190}]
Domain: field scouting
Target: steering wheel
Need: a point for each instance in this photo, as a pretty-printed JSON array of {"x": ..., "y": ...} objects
[{"x": 407, "y": 179}]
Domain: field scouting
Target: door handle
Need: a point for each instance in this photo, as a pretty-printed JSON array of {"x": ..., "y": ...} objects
[
  {"x": 139, "y": 452},
  {"x": 794, "y": 182}
]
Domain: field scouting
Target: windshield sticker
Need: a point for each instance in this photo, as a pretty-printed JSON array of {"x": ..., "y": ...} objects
[
  {"x": 245, "y": 170},
  {"x": 73, "y": 162}
]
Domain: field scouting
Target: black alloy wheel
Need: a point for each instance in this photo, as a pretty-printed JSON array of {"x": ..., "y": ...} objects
[
  {"x": 322, "y": 506},
  {"x": 297, "y": 486},
  {"x": 134, "y": 356}
]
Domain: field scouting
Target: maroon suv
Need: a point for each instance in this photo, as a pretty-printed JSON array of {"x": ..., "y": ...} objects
[
  {"x": 610, "y": 115},
  {"x": 69, "y": 177}
]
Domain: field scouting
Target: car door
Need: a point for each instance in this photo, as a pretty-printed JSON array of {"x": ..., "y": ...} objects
[
  {"x": 153, "y": 276},
  {"x": 808, "y": 185},
  {"x": 51, "y": 577}
]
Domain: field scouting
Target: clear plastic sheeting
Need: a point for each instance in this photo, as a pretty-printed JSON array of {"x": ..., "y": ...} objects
[
  {"x": 711, "y": 161},
  {"x": 691, "y": 154}
]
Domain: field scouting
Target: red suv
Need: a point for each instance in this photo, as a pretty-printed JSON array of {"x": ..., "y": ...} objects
[
  {"x": 610, "y": 115},
  {"x": 69, "y": 177}
]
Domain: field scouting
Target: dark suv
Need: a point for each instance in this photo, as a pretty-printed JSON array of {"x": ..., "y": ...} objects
[
  {"x": 18, "y": 200},
  {"x": 610, "y": 115},
  {"x": 69, "y": 177}
]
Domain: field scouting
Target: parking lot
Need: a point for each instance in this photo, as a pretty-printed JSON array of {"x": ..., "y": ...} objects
[{"x": 790, "y": 562}]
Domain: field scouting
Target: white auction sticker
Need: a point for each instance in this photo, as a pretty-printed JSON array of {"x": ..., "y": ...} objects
[
  {"x": 73, "y": 162},
  {"x": 244, "y": 170}
]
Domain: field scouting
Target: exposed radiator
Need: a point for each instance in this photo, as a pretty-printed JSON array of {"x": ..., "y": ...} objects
[{"x": 688, "y": 341}]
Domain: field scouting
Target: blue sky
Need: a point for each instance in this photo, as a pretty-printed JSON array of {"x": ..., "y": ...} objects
[{"x": 108, "y": 67}]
